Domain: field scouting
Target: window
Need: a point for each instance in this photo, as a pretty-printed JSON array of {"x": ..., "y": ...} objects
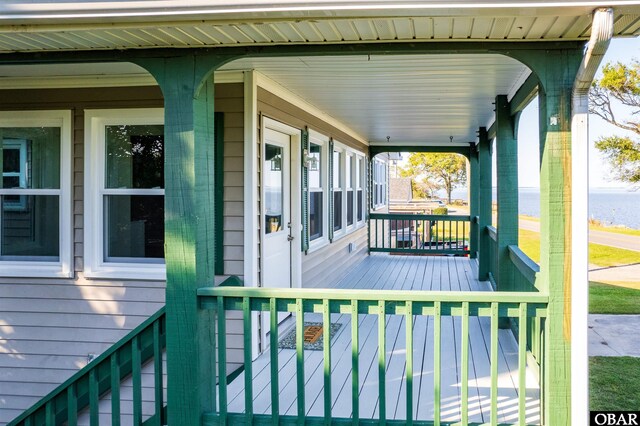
[
  {"x": 35, "y": 213},
  {"x": 379, "y": 183},
  {"x": 318, "y": 174},
  {"x": 338, "y": 182},
  {"x": 124, "y": 190},
  {"x": 350, "y": 172},
  {"x": 360, "y": 189}
]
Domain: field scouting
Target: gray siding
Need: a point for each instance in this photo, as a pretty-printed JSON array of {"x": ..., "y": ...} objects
[{"x": 48, "y": 327}]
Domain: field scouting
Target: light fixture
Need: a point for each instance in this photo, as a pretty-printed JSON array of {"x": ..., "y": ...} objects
[
  {"x": 310, "y": 161},
  {"x": 276, "y": 163}
]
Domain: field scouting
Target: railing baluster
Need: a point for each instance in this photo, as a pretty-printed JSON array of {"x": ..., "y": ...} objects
[
  {"x": 93, "y": 398},
  {"x": 137, "y": 380},
  {"x": 355, "y": 380},
  {"x": 222, "y": 360},
  {"x": 157, "y": 373},
  {"x": 450, "y": 233},
  {"x": 436, "y": 362},
  {"x": 494, "y": 363},
  {"x": 248, "y": 366},
  {"x": 72, "y": 406},
  {"x": 376, "y": 228},
  {"x": 457, "y": 237},
  {"x": 115, "y": 388},
  {"x": 326, "y": 342},
  {"x": 273, "y": 354},
  {"x": 522, "y": 363},
  {"x": 50, "y": 415},
  {"x": 465, "y": 364},
  {"x": 300, "y": 359},
  {"x": 382, "y": 364},
  {"x": 409, "y": 345}
]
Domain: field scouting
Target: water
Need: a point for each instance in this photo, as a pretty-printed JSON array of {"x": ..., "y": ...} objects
[{"x": 609, "y": 206}]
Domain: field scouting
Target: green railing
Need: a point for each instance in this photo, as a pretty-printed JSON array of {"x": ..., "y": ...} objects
[
  {"x": 493, "y": 255},
  {"x": 408, "y": 304},
  {"x": 419, "y": 233},
  {"x": 103, "y": 376}
]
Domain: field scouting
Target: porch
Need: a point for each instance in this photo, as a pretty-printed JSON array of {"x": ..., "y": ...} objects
[{"x": 454, "y": 354}]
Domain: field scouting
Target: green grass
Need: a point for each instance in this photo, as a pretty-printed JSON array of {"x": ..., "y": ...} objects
[
  {"x": 604, "y": 256},
  {"x": 614, "y": 383},
  {"x": 611, "y": 299}
]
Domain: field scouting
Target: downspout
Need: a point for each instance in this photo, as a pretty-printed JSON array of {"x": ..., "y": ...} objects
[{"x": 601, "y": 33}]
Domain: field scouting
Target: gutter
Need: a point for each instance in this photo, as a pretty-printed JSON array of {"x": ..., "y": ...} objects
[{"x": 601, "y": 34}]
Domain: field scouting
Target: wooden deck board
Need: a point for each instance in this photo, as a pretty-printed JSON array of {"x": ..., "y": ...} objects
[{"x": 399, "y": 272}]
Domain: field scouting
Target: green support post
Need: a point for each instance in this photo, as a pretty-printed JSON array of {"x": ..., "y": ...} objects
[
  {"x": 474, "y": 198},
  {"x": 555, "y": 229},
  {"x": 507, "y": 182},
  {"x": 187, "y": 85},
  {"x": 484, "y": 202}
]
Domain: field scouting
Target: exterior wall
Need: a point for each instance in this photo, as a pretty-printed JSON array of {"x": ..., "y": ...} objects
[
  {"x": 49, "y": 327},
  {"x": 328, "y": 263}
]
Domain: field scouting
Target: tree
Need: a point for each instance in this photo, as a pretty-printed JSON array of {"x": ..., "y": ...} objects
[
  {"x": 619, "y": 86},
  {"x": 447, "y": 170}
]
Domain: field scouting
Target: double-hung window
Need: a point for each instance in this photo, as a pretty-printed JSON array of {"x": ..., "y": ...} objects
[
  {"x": 318, "y": 182},
  {"x": 124, "y": 190},
  {"x": 379, "y": 183},
  {"x": 35, "y": 195}
]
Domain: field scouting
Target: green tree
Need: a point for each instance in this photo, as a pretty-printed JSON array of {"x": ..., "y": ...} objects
[
  {"x": 619, "y": 88},
  {"x": 448, "y": 171}
]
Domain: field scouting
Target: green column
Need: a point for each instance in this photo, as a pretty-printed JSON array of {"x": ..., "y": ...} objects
[
  {"x": 187, "y": 87},
  {"x": 555, "y": 229},
  {"x": 485, "y": 201},
  {"x": 474, "y": 197},
  {"x": 507, "y": 182}
]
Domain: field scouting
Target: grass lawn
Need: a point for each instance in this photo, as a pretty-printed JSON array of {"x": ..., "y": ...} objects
[
  {"x": 614, "y": 383},
  {"x": 600, "y": 255},
  {"x": 611, "y": 299},
  {"x": 594, "y": 227}
]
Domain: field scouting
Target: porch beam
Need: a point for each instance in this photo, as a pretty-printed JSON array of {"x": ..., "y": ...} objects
[
  {"x": 462, "y": 150},
  {"x": 507, "y": 182},
  {"x": 190, "y": 242},
  {"x": 555, "y": 229},
  {"x": 524, "y": 95},
  {"x": 485, "y": 201}
]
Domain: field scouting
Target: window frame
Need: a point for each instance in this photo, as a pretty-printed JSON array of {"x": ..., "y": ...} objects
[
  {"x": 95, "y": 265},
  {"x": 361, "y": 185},
  {"x": 337, "y": 147},
  {"x": 380, "y": 182},
  {"x": 317, "y": 138},
  {"x": 61, "y": 268}
]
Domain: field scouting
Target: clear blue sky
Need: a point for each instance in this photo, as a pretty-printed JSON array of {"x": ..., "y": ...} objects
[{"x": 621, "y": 49}]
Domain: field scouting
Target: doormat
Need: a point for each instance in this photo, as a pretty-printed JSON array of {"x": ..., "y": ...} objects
[{"x": 313, "y": 336}]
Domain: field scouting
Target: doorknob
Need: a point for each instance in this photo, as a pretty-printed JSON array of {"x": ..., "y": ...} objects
[{"x": 289, "y": 237}]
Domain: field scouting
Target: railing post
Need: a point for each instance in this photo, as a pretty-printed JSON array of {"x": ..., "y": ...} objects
[{"x": 484, "y": 203}]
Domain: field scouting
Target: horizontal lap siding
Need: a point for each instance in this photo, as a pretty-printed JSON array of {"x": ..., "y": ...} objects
[
  {"x": 329, "y": 263},
  {"x": 48, "y": 327}
]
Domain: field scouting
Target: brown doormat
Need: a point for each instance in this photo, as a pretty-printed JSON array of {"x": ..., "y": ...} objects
[{"x": 312, "y": 336}]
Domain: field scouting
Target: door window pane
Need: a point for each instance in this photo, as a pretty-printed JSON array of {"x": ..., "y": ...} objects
[
  {"x": 273, "y": 187},
  {"x": 31, "y": 232},
  {"x": 134, "y": 156},
  {"x": 134, "y": 227}
]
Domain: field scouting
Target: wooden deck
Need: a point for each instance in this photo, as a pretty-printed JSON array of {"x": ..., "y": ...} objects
[{"x": 381, "y": 271}]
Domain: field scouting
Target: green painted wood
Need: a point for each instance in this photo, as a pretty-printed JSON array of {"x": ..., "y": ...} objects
[
  {"x": 437, "y": 363},
  {"x": 523, "y": 263},
  {"x": 556, "y": 80},
  {"x": 326, "y": 352},
  {"x": 219, "y": 196},
  {"x": 115, "y": 389},
  {"x": 474, "y": 199},
  {"x": 301, "y": 412},
  {"x": 419, "y": 217},
  {"x": 222, "y": 360},
  {"x": 382, "y": 363},
  {"x": 494, "y": 362},
  {"x": 248, "y": 360},
  {"x": 136, "y": 375},
  {"x": 50, "y": 418},
  {"x": 484, "y": 202},
  {"x": 507, "y": 191},
  {"x": 464, "y": 361},
  {"x": 383, "y": 149},
  {"x": 524, "y": 95},
  {"x": 94, "y": 419},
  {"x": 355, "y": 353},
  {"x": 72, "y": 406},
  {"x": 190, "y": 231},
  {"x": 522, "y": 364},
  {"x": 158, "y": 391},
  {"x": 409, "y": 368},
  {"x": 273, "y": 361}
]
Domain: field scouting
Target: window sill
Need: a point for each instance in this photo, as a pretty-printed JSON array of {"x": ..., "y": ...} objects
[
  {"x": 317, "y": 245},
  {"x": 128, "y": 271},
  {"x": 34, "y": 270}
]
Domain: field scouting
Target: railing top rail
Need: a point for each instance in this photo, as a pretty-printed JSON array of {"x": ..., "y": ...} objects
[
  {"x": 377, "y": 295},
  {"x": 493, "y": 233},
  {"x": 525, "y": 265},
  {"x": 408, "y": 216}
]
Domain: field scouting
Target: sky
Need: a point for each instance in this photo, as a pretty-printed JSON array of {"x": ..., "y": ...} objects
[{"x": 621, "y": 49}]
